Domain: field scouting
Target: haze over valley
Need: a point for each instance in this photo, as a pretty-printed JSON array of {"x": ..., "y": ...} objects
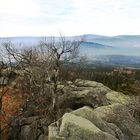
[{"x": 118, "y": 50}]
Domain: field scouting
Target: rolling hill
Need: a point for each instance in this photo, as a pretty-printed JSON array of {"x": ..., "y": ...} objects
[{"x": 116, "y": 49}]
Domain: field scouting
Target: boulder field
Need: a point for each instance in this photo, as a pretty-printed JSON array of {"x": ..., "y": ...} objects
[{"x": 88, "y": 110}]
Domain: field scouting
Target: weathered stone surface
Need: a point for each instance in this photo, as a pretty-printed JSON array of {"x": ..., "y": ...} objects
[
  {"x": 84, "y": 93},
  {"x": 101, "y": 123},
  {"x": 26, "y": 133},
  {"x": 90, "y": 114},
  {"x": 117, "y": 97},
  {"x": 87, "y": 111},
  {"x": 29, "y": 129},
  {"x": 77, "y": 128},
  {"x": 104, "y": 112}
]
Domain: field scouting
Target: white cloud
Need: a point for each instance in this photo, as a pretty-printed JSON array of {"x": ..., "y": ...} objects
[
  {"x": 45, "y": 17},
  {"x": 19, "y": 7}
]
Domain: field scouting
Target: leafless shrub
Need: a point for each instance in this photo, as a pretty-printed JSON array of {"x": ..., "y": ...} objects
[{"x": 39, "y": 69}]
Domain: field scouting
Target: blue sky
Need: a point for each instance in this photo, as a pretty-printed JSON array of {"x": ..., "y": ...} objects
[{"x": 72, "y": 17}]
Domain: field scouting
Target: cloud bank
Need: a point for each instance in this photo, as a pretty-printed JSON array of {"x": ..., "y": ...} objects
[{"x": 72, "y": 17}]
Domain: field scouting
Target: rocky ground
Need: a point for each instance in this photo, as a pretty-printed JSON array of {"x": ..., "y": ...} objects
[{"x": 87, "y": 111}]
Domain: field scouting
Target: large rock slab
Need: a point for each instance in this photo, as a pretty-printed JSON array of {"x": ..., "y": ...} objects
[
  {"x": 118, "y": 97},
  {"x": 77, "y": 128},
  {"x": 102, "y": 123},
  {"x": 88, "y": 93},
  {"x": 98, "y": 113},
  {"x": 87, "y": 110}
]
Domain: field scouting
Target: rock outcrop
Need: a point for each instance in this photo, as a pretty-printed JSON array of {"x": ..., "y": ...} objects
[
  {"x": 104, "y": 123},
  {"x": 104, "y": 115},
  {"x": 88, "y": 110}
]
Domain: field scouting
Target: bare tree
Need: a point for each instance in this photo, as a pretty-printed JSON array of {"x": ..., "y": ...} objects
[
  {"x": 33, "y": 75},
  {"x": 60, "y": 52},
  {"x": 40, "y": 68}
]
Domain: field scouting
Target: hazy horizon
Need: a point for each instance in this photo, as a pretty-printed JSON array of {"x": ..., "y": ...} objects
[{"x": 68, "y": 35}]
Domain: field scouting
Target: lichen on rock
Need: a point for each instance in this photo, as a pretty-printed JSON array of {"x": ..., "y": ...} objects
[{"x": 88, "y": 110}]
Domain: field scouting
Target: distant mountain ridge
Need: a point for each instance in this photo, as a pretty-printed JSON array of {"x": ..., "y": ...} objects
[
  {"x": 117, "y": 50},
  {"x": 93, "y": 44},
  {"x": 119, "y": 60},
  {"x": 116, "y": 41}
]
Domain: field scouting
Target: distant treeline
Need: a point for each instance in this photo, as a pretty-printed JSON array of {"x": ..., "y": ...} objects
[{"x": 126, "y": 80}]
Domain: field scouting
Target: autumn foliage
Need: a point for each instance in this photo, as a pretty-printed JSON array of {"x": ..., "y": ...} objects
[{"x": 11, "y": 103}]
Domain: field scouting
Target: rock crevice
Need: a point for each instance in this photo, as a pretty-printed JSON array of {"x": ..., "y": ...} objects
[{"x": 88, "y": 110}]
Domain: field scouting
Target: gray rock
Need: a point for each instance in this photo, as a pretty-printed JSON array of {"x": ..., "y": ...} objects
[
  {"x": 77, "y": 128},
  {"x": 88, "y": 110},
  {"x": 103, "y": 123},
  {"x": 26, "y": 133}
]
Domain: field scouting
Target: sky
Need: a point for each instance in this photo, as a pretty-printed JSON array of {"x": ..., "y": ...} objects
[{"x": 70, "y": 17}]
